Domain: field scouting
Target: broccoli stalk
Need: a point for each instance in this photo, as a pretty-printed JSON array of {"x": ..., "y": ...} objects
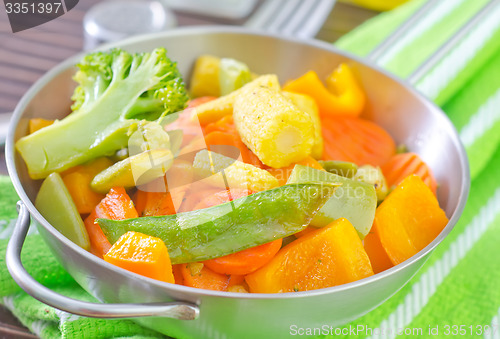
[{"x": 116, "y": 91}]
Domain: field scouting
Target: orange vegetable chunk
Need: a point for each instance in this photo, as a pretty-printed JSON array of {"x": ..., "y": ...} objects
[
  {"x": 116, "y": 205},
  {"x": 77, "y": 181},
  {"x": 283, "y": 173},
  {"x": 356, "y": 140},
  {"x": 38, "y": 123},
  {"x": 408, "y": 219},
  {"x": 402, "y": 165},
  {"x": 246, "y": 261},
  {"x": 204, "y": 278},
  {"x": 378, "y": 257},
  {"x": 142, "y": 254},
  {"x": 329, "y": 256}
]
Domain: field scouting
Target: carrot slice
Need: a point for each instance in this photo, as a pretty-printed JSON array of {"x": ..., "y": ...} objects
[
  {"x": 224, "y": 124},
  {"x": 117, "y": 206},
  {"x": 329, "y": 256},
  {"x": 142, "y": 254},
  {"x": 378, "y": 257},
  {"x": 402, "y": 165},
  {"x": 356, "y": 140},
  {"x": 222, "y": 197},
  {"x": 204, "y": 278},
  {"x": 408, "y": 219},
  {"x": 246, "y": 261}
]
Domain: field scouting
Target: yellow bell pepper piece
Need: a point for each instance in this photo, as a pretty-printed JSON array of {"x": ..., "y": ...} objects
[{"x": 341, "y": 96}]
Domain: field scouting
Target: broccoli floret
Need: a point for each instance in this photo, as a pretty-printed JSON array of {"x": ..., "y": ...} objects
[{"x": 117, "y": 91}]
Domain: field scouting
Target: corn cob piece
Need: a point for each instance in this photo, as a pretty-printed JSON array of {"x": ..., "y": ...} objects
[
  {"x": 272, "y": 127},
  {"x": 219, "y": 170},
  {"x": 216, "y": 109},
  {"x": 307, "y": 104},
  {"x": 205, "y": 78}
]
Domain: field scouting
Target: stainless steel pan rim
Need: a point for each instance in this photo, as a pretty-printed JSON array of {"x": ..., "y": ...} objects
[{"x": 446, "y": 124}]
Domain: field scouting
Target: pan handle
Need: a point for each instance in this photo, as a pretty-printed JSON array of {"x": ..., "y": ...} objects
[{"x": 176, "y": 310}]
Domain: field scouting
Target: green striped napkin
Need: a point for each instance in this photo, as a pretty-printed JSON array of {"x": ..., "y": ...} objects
[
  {"x": 457, "y": 292},
  {"x": 458, "y": 289}
]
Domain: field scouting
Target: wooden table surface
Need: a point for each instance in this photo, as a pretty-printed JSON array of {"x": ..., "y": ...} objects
[{"x": 25, "y": 56}]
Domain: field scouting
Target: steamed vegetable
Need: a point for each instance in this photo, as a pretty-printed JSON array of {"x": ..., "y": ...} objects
[
  {"x": 342, "y": 96},
  {"x": 282, "y": 174},
  {"x": 230, "y": 227},
  {"x": 116, "y": 90},
  {"x": 408, "y": 219},
  {"x": 356, "y": 140},
  {"x": 329, "y": 256},
  {"x": 222, "y": 171},
  {"x": 56, "y": 206},
  {"x": 356, "y": 201},
  {"x": 233, "y": 74},
  {"x": 343, "y": 168},
  {"x": 116, "y": 205},
  {"x": 223, "y": 132},
  {"x": 205, "y": 77},
  {"x": 38, "y": 123},
  {"x": 134, "y": 171},
  {"x": 373, "y": 176},
  {"x": 141, "y": 254},
  {"x": 246, "y": 261},
  {"x": 272, "y": 127},
  {"x": 222, "y": 106},
  {"x": 402, "y": 165},
  {"x": 198, "y": 276},
  {"x": 378, "y": 257},
  {"x": 77, "y": 181},
  {"x": 307, "y": 104}
]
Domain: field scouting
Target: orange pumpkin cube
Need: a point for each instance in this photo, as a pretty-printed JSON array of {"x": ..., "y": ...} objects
[
  {"x": 408, "y": 219},
  {"x": 142, "y": 254},
  {"x": 329, "y": 256}
]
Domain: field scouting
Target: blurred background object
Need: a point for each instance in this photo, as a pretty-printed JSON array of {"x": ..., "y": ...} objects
[
  {"x": 377, "y": 5},
  {"x": 115, "y": 20}
]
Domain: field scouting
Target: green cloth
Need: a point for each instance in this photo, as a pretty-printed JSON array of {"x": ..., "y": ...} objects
[
  {"x": 41, "y": 319},
  {"x": 460, "y": 283}
]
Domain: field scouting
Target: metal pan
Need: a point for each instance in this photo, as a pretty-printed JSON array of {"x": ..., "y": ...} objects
[{"x": 408, "y": 116}]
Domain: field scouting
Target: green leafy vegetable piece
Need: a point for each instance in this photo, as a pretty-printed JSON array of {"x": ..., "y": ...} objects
[
  {"x": 354, "y": 200},
  {"x": 56, "y": 205},
  {"x": 233, "y": 74},
  {"x": 116, "y": 91},
  {"x": 227, "y": 228}
]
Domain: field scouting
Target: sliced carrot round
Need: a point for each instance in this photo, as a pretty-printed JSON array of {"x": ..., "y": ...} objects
[
  {"x": 402, "y": 165},
  {"x": 356, "y": 140},
  {"x": 246, "y": 261}
]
